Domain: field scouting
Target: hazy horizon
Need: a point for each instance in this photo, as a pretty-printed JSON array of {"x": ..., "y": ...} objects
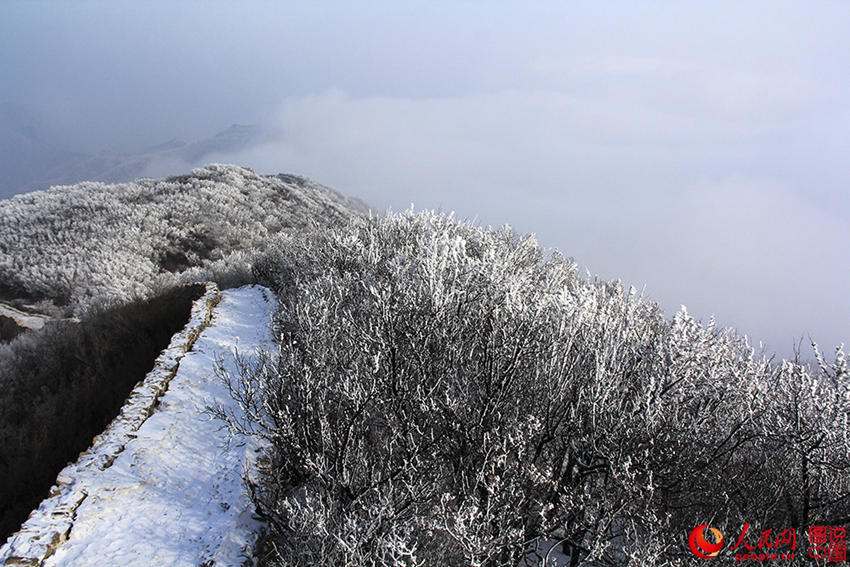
[{"x": 697, "y": 151}]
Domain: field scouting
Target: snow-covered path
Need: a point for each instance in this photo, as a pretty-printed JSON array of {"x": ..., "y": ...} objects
[{"x": 174, "y": 495}]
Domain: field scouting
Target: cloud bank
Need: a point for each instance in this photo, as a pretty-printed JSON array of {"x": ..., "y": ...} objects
[{"x": 631, "y": 190}]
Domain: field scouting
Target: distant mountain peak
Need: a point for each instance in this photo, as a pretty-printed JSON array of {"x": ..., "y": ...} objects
[{"x": 28, "y": 163}]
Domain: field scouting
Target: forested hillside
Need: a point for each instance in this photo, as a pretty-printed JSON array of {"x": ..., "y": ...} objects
[{"x": 67, "y": 246}]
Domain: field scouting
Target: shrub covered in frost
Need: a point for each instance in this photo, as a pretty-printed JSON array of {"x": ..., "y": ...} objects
[{"x": 448, "y": 395}]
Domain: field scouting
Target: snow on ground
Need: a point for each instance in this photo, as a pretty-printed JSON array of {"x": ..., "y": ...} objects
[
  {"x": 175, "y": 495},
  {"x": 25, "y": 320}
]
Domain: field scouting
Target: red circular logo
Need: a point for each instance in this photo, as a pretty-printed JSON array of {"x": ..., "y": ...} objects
[{"x": 703, "y": 548}]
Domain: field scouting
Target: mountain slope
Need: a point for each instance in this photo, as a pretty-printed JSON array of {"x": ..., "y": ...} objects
[{"x": 67, "y": 247}]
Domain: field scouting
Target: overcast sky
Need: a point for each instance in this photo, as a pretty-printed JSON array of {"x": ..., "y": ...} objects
[{"x": 701, "y": 151}]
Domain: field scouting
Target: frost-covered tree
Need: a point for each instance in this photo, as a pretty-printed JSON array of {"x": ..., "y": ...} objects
[{"x": 449, "y": 395}]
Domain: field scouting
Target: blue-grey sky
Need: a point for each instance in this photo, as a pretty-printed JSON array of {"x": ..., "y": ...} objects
[{"x": 697, "y": 149}]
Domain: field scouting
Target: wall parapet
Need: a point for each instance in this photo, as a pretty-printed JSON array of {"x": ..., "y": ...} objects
[{"x": 49, "y": 525}]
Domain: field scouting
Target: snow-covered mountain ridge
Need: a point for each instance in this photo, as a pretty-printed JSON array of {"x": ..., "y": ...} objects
[
  {"x": 65, "y": 247},
  {"x": 109, "y": 257}
]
